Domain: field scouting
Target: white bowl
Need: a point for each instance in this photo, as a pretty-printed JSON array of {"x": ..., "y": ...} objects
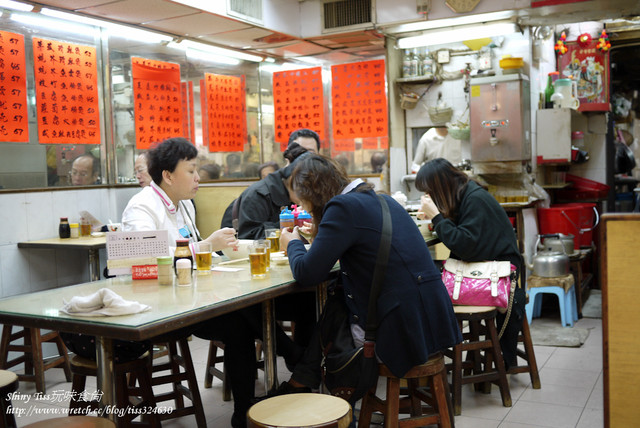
[{"x": 240, "y": 252}]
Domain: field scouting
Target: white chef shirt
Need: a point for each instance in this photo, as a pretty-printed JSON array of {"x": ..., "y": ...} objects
[
  {"x": 151, "y": 209},
  {"x": 432, "y": 145}
]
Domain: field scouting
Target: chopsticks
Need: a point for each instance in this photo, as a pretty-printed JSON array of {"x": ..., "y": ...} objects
[{"x": 232, "y": 261}]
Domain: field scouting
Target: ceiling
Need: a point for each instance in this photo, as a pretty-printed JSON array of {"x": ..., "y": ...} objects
[
  {"x": 184, "y": 21},
  {"x": 176, "y": 19}
]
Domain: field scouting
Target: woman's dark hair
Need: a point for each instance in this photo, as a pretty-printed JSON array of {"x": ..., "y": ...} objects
[
  {"x": 444, "y": 183},
  {"x": 316, "y": 179},
  {"x": 166, "y": 155}
]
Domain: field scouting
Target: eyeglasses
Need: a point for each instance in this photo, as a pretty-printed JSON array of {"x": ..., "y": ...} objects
[{"x": 75, "y": 172}]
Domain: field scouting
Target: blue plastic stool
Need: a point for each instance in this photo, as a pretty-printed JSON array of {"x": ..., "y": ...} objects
[{"x": 568, "y": 308}]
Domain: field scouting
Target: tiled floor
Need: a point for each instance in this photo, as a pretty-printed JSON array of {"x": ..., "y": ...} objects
[{"x": 571, "y": 393}]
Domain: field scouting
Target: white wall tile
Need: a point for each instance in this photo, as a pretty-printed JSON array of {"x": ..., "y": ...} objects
[
  {"x": 14, "y": 270},
  {"x": 41, "y": 223},
  {"x": 13, "y": 218},
  {"x": 65, "y": 204},
  {"x": 42, "y": 269},
  {"x": 72, "y": 267}
]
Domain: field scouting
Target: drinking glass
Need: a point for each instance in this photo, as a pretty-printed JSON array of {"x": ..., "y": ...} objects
[
  {"x": 266, "y": 243},
  {"x": 203, "y": 256},
  {"x": 258, "y": 254},
  {"x": 273, "y": 235}
]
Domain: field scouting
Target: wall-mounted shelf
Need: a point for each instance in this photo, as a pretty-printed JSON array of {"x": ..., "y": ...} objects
[{"x": 416, "y": 80}]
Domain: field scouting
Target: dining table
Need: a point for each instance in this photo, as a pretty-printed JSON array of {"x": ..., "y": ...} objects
[
  {"x": 92, "y": 244},
  {"x": 226, "y": 288}
]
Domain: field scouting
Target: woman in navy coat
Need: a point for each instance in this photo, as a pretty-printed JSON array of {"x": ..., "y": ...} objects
[{"x": 415, "y": 314}]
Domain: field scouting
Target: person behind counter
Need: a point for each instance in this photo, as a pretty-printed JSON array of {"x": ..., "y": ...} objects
[
  {"x": 85, "y": 170},
  {"x": 416, "y": 318},
  {"x": 437, "y": 143},
  {"x": 141, "y": 168},
  {"x": 166, "y": 202},
  {"x": 473, "y": 225}
]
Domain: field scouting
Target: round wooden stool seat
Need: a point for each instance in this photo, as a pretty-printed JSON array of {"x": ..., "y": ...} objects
[
  {"x": 73, "y": 422},
  {"x": 8, "y": 381},
  {"x": 300, "y": 410},
  {"x": 432, "y": 367}
]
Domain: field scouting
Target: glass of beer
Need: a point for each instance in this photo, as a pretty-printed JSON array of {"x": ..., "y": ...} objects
[
  {"x": 273, "y": 235},
  {"x": 258, "y": 256},
  {"x": 266, "y": 243},
  {"x": 203, "y": 256}
]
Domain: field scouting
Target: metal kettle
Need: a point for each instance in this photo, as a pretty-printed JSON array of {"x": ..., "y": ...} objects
[
  {"x": 557, "y": 242},
  {"x": 549, "y": 264}
]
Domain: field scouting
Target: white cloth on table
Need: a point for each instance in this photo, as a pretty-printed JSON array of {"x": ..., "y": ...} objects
[{"x": 102, "y": 302}]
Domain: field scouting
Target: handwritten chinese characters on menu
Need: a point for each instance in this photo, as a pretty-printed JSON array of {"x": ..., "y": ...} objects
[
  {"x": 298, "y": 103},
  {"x": 226, "y": 112},
  {"x": 359, "y": 102},
  {"x": 66, "y": 84},
  {"x": 14, "y": 121},
  {"x": 158, "y": 105}
]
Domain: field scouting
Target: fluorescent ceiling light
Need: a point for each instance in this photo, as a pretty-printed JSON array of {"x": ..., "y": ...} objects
[
  {"x": 10, "y": 4},
  {"x": 457, "y": 34},
  {"x": 114, "y": 30},
  {"x": 286, "y": 66},
  {"x": 35, "y": 20},
  {"x": 206, "y": 56},
  {"x": 449, "y": 22},
  {"x": 190, "y": 44}
]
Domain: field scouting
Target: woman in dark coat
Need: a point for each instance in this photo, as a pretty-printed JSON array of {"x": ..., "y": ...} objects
[
  {"x": 473, "y": 225},
  {"x": 415, "y": 314}
]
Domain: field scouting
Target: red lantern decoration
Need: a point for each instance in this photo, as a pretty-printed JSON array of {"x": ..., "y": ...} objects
[
  {"x": 560, "y": 47},
  {"x": 603, "y": 42},
  {"x": 584, "y": 40}
]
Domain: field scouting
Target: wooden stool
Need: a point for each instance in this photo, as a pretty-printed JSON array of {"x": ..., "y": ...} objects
[
  {"x": 437, "y": 396},
  {"x": 179, "y": 357},
  {"x": 479, "y": 367},
  {"x": 8, "y": 384},
  {"x": 212, "y": 371},
  {"x": 528, "y": 355},
  {"x": 73, "y": 422},
  {"x": 300, "y": 410},
  {"x": 139, "y": 369},
  {"x": 31, "y": 354}
]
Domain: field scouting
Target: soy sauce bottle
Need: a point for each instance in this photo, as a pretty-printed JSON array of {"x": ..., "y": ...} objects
[
  {"x": 64, "y": 230},
  {"x": 182, "y": 252}
]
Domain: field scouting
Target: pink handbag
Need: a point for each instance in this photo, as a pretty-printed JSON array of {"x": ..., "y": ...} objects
[{"x": 479, "y": 283}]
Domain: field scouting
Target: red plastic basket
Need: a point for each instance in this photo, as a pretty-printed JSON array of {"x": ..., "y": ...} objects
[{"x": 583, "y": 188}]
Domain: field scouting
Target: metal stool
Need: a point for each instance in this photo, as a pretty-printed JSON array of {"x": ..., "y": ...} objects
[
  {"x": 436, "y": 395},
  {"x": 480, "y": 368},
  {"x": 139, "y": 369},
  {"x": 73, "y": 422},
  {"x": 8, "y": 384},
  {"x": 31, "y": 354},
  {"x": 300, "y": 410}
]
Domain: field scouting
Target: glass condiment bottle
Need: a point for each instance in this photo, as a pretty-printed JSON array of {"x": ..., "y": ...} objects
[
  {"x": 548, "y": 92},
  {"x": 287, "y": 219},
  {"x": 85, "y": 227},
  {"x": 75, "y": 230},
  {"x": 165, "y": 273},
  {"x": 182, "y": 252},
  {"x": 64, "y": 230}
]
